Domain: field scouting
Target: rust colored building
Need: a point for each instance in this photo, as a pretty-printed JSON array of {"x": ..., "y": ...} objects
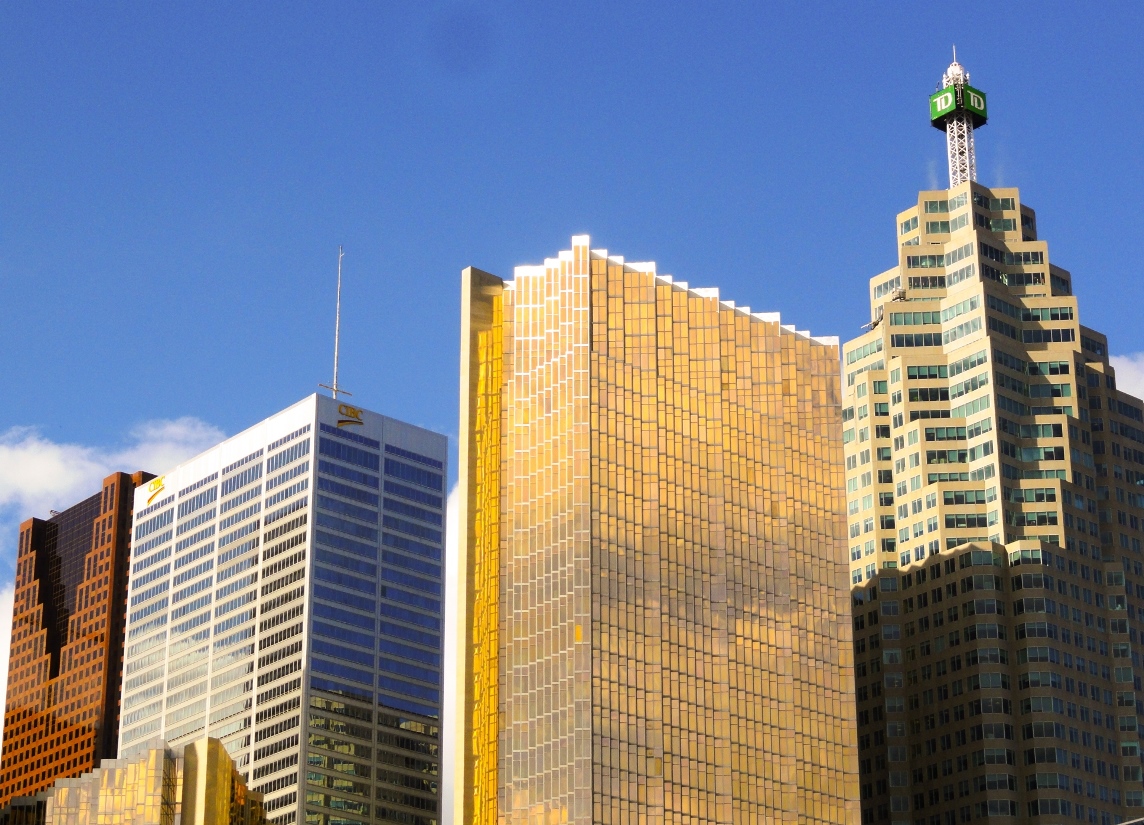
[{"x": 62, "y": 714}]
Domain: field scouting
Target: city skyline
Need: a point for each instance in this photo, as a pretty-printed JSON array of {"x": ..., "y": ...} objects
[
  {"x": 65, "y": 449},
  {"x": 162, "y": 237}
]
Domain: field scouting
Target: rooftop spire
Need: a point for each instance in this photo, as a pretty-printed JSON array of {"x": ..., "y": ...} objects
[
  {"x": 333, "y": 386},
  {"x": 958, "y": 108}
]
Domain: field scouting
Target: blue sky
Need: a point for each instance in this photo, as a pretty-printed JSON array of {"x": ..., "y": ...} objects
[{"x": 175, "y": 179}]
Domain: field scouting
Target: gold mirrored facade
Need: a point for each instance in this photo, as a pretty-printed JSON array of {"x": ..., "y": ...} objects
[
  {"x": 150, "y": 784},
  {"x": 655, "y": 623}
]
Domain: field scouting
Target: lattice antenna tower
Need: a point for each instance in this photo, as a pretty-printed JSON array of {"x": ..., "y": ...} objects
[
  {"x": 333, "y": 385},
  {"x": 957, "y": 109}
]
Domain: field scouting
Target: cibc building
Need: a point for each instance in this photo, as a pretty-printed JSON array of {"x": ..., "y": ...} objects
[{"x": 285, "y": 597}]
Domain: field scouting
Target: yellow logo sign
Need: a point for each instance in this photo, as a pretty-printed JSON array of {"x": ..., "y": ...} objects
[
  {"x": 155, "y": 487},
  {"x": 352, "y": 416}
]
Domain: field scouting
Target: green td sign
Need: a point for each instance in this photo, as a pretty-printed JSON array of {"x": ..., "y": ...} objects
[
  {"x": 974, "y": 101},
  {"x": 946, "y": 102},
  {"x": 943, "y": 102}
]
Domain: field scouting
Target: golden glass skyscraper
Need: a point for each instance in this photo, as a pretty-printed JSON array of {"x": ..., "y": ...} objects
[{"x": 654, "y": 601}]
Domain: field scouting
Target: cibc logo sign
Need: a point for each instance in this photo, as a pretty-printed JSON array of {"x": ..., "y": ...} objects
[
  {"x": 350, "y": 416},
  {"x": 155, "y": 487}
]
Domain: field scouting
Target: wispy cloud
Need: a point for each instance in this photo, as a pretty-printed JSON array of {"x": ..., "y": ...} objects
[
  {"x": 38, "y": 474},
  {"x": 1129, "y": 372}
]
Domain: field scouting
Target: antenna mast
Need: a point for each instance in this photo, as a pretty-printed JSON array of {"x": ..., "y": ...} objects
[
  {"x": 957, "y": 109},
  {"x": 333, "y": 386}
]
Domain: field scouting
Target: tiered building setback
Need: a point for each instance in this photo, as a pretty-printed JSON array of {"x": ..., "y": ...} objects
[
  {"x": 62, "y": 713},
  {"x": 654, "y": 620},
  {"x": 995, "y": 490}
]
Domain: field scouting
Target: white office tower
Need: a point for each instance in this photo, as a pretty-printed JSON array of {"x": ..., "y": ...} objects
[{"x": 285, "y": 597}]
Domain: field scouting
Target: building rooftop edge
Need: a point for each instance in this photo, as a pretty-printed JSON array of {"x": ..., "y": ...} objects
[{"x": 649, "y": 268}]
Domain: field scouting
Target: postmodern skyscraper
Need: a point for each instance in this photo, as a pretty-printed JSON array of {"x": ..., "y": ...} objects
[
  {"x": 995, "y": 483},
  {"x": 62, "y": 713},
  {"x": 654, "y": 622},
  {"x": 285, "y": 598}
]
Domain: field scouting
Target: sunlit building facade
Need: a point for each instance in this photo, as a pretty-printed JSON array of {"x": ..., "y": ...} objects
[
  {"x": 151, "y": 784},
  {"x": 285, "y": 598},
  {"x": 62, "y": 710},
  {"x": 654, "y": 615},
  {"x": 995, "y": 492}
]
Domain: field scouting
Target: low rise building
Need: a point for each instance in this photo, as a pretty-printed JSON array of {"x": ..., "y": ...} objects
[{"x": 152, "y": 784}]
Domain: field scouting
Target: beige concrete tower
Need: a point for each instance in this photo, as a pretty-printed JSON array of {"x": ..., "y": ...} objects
[
  {"x": 654, "y": 600},
  {"x": 993, "y": 489}
]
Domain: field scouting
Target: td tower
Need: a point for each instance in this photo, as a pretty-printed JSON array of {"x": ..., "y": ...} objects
[{"x": 994, "y": 489}]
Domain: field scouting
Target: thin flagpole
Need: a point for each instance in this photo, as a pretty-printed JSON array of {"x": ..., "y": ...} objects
[{"x": 333, "y": 386}]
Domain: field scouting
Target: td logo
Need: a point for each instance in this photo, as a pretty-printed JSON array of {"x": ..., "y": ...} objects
[{"x": 942, "y": 102}]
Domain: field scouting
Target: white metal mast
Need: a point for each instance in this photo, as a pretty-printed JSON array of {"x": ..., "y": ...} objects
[
  {"x": 333, "y": 386},
  {"x": 959, "y": 128}
]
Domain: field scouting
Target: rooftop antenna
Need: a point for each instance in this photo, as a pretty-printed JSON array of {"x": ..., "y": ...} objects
[
  {"x": 333, "y": 386},
  {"x": 957, "y": 109}
]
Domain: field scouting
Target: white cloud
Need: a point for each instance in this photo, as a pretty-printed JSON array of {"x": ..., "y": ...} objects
[
  {"x": 1129, "y": 373},
  {"x": 38, "y": 475},
  {"x": 6, "y": 594},
  {"x": 451, "y": 653}
]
